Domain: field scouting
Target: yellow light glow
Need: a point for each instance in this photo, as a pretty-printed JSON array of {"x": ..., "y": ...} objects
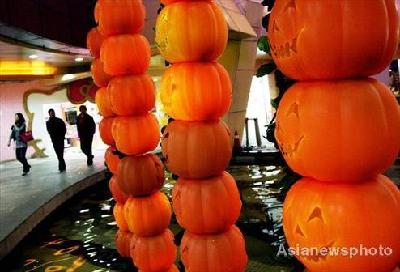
[{"x": 35, "y": 67}]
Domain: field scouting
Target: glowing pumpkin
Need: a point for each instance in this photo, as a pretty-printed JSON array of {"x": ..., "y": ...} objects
[
  {"x": 94, "y": 40},
  {"x": 125, "y": 54},
  {"x": 136, "y": 135},
  {"x": 105, "y": 128},
  {"x": 141, "y": 175},
  {"x": 120, "y": 16},
  {"x": 118, "y": 195},
  {"x": 157, "y": 253},
  {"x": 214, "y": 252},
  {"x": 103, "y": 103},
  {"x": 100, "y": 78},
  {"x": 123, "y": 242},
  {"x": 344, "y": 215},
  {"x": 191, "y": 32},
  {"x": 132, "y": 95},
  {"x": 189, "y": 197},
  {"x": 196, "y": 91},
  {"x": 345, "y": 47},
  {"x": 339, "y": 130},
  {"x": 118, "y": 212},
  {"x": 197, "y": 150},
  {"x": 112, "y": 160},
  {"x": 148, "y": 216}
]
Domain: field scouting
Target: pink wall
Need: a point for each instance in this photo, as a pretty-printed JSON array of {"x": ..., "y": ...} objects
[{"x": 11, "y": 101}]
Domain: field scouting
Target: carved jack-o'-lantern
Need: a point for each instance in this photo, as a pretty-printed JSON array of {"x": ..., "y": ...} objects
[
  {"x": 345, "y": 130},
  {"x": 342, "y": 215},
  {"x": 320, "y": 39}
]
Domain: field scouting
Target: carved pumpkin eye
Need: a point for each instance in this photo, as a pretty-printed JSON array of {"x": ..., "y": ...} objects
[
  {"x": 299, "y": 231},
  {"x": 316, "y": 213},
  {"x": 293, "y": 109}
]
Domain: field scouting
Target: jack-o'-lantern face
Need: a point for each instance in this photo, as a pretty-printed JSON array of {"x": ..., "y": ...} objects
[
  {"x": 321, "y": 218},
  {"x": 313, "y": 232},
  {"x": 333, "y": 130},
  {"x": 319, "y": 39}
]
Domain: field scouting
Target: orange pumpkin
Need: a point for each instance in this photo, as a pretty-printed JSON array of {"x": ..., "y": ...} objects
[
  {"x": 120, "y": 16},
  {"x": 157, "y": 253},
  {"x": 189, "y": 197},
  {"x": 341, "y": 215},
  {"x": 196, "y": 91},
  {"x": 105, "y": 128},
  {"x": 100, "y": 78},
  {"x": 112, "y": 160},
  {"x": 120, "y": 219},
  {"x": 125, "y": 54},
  {"x": 136, "y": 134},
  {"x": 103, "y": 103},
  {"x": 215, "y": 252},
  {"x": 167, "y": 2},
  {"x": 148, "y": 216},
  {"x": 191, "y": 32},
  {"x": 339, "y": 130},
  {"x": 197, "y": 150},
  {"x": 123, "y": 242},
  {"x": 118, "y": 195},
  {"x": 94, "y": 41},
  {"x": 96, "y": 12},
  {"x": 132, "y": 95},
  {"x": 345, "y": 47},
  {"x": 140, "y": 175}
]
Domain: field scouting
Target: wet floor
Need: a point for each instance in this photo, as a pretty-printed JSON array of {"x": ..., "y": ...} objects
[{"x": 79, "y": 236}]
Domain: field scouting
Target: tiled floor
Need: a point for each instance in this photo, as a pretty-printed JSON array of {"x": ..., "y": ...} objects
[{"x": 20, "y": 196}]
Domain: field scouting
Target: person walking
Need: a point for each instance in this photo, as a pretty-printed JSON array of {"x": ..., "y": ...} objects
[
  {"x": 57, "y": 130},
  {"x": 17, "y": 129},
  {"x": 86, "y": 130}
]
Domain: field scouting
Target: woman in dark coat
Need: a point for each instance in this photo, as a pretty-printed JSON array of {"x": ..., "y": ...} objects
[{"x": 17, "y": 129}]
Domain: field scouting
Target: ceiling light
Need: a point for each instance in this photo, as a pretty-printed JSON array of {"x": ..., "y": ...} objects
[
  {"x": 67, "y": 77},
  {"x": 34, "y": 67},
  {"x": 33, "y": 56},
  {"x": 79, "y": 59}
]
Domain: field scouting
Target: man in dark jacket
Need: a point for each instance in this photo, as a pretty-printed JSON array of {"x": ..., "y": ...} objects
[
  {"x": 57, "y": 130},
  {"x": 86, "y": 130}
]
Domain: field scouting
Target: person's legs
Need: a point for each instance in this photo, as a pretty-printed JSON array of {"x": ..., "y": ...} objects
[
  {"x": 59, "y": 149},
  {"x": 18, "y": 155},
  {"x": 21, "y": 157},
  {"x": 83, "y": 145},
  {"x": 89, "y": 150}
]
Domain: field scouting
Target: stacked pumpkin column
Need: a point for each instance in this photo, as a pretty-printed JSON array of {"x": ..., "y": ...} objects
[
  {"x": 142, "y": 213},
  {"x": 196, "y": 92},
  {"x": 112, "y": 156},
  {"x": 339, "y": 129}
]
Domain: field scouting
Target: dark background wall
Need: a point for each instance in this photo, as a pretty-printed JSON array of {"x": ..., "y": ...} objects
[{"x": 66, "y": 21}]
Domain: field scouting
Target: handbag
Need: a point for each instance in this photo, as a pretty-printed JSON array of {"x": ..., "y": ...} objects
[{"x": 26, "y": 136}]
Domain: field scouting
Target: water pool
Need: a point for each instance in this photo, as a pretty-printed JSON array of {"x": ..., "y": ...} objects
[{"x": 79, "y": 236}]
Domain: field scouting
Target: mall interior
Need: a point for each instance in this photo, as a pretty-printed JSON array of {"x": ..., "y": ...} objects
[{"x": 198, "y": 155}]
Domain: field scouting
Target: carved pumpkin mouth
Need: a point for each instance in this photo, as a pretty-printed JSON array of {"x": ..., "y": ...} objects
[{"x": 317, "y": 257}]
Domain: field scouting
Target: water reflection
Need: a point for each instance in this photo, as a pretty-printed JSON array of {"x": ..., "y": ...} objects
[{"x": 80, "y": 235}]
